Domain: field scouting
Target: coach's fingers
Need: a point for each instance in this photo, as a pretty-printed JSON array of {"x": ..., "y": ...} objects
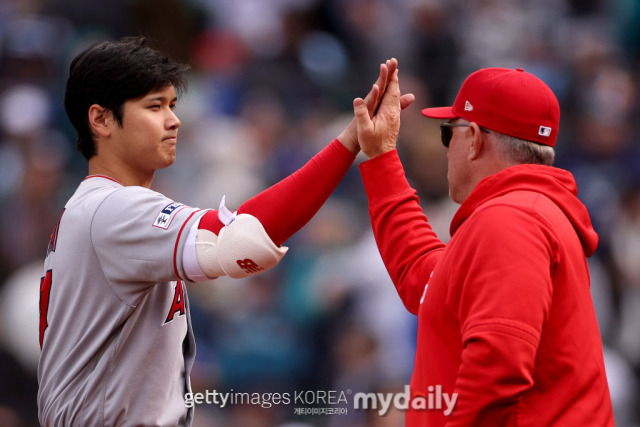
[
  {"x": 363, "y": 120},
  {"x": 373, "y": 100},
  {"x": 392, "y": 66},
  {"x": 406, "y": 100},
  {"x": 391, "y": 98},
  {"x": 369, "y": 136}
]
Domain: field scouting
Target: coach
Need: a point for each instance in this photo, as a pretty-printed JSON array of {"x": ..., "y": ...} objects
[{"x": 505, "y": 315}]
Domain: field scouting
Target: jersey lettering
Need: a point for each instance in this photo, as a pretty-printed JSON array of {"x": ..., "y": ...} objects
[
  {"x": 45, "y": 282},
  {"x": 53, "y": 240},
  {"x": 249, "y": 265},
  {"x": 178, "y": 303},
  {"x": 45, "y": 291}
]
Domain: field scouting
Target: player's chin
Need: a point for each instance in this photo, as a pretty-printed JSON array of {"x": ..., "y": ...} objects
[{"x": 167, "y": 160}]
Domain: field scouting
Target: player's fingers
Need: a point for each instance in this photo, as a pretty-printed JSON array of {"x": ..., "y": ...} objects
[
  {"x": 372, "y": 98},
  {"x": 384, "y": 78},
  {"x": 406, "y": 100}
]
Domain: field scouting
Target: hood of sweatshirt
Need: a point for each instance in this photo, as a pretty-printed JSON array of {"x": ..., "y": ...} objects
[{"x": 557, "y": 184}]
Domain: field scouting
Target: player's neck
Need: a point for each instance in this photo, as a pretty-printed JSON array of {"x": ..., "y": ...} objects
[{"x": 121, "y": 173}]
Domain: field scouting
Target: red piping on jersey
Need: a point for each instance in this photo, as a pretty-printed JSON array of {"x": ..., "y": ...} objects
[
  {"x": 175, "y": 250},
  {"x": 102, "y": 176}
]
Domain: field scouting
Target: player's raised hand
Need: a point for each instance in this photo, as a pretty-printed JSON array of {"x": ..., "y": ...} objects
[
  {"x": 349, "y": 137},
  {"x": 379, "y": 134}
]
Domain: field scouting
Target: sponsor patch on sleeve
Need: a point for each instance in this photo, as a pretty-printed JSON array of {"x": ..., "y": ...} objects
[{"x": 164, "y": 218}]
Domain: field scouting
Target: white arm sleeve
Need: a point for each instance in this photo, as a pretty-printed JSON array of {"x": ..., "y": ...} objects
[{"x": 241, "y": 248}]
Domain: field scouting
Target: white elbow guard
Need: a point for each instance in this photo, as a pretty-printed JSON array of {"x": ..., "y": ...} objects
[{"x": 241, "y": 249}]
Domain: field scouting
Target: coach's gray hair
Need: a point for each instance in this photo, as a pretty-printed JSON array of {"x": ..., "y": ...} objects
[{"x": 520, "y": 151}]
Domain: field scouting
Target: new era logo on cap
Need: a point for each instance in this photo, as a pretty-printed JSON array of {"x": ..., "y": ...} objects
[
  {"x": 544, "y": 131},
  {"x": 468, "y": 106}
]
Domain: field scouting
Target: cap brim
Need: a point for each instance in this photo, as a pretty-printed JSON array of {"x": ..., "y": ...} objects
[{"x": 439, "y": 113}]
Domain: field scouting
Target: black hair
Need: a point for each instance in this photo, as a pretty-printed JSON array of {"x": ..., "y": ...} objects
[{"x": 112, "y": 72}]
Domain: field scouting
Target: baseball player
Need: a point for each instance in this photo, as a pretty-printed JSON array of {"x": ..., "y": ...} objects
[{"x": 115, "y": 331}]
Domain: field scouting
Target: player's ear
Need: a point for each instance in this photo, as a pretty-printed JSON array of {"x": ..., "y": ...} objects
[{"x": 100, "y": 120}]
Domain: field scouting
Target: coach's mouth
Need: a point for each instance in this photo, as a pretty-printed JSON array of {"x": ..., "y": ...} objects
[{"x": 171, "y": 139}]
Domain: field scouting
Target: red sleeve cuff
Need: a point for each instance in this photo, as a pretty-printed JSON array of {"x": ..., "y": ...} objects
[
  {"x": 342, "y": 150},
  {"x": 384, "y": 177}
]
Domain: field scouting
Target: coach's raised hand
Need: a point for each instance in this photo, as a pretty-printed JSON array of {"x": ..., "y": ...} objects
[
  {"x": 378, "y": 134},
  {"x": 349, "y": 137}
]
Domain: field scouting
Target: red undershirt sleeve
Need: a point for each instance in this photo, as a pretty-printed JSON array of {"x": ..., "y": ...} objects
[{"x": 288, "y": 205}]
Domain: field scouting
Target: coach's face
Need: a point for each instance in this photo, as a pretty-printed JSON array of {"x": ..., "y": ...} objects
[
  {"x": 457, "y": 163},
  {"x": 148, "y": 136}
]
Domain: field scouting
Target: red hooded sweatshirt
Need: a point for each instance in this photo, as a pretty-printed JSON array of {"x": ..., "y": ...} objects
[{"x": 507, "y": 332}]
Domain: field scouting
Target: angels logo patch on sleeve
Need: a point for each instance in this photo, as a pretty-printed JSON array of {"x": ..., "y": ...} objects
[{"x": 166, "y": 215}]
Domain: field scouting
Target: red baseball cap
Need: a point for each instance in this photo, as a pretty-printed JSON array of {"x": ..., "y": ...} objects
[{"x": 512, "y": 102}]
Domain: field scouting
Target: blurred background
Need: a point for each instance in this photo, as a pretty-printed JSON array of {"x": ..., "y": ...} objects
[{"x": 271, "y": 84}]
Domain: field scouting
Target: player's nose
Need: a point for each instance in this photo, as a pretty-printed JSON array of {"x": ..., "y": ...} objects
[{"x": 172, "y": 121}]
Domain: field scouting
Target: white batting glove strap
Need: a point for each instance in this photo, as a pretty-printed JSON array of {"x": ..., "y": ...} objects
[
  {"x": 245, "y": 248},
  {"x": 225, "y": 215}
]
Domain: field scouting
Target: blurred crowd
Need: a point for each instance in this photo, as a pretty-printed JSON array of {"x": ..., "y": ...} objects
[{"x": 271, "y": 83}]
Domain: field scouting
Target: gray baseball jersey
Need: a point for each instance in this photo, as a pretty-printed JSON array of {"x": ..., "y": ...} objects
[{"x": 117, "y": 344}]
